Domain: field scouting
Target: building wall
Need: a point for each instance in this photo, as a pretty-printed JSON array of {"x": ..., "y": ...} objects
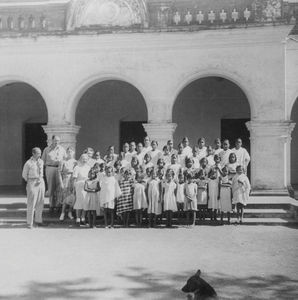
[
  {"x": 160, "y": 66},
  {"x": 19, "y": 104},
  {"x": 200, "y": 107},
  {"x": 101, "y": 110}
]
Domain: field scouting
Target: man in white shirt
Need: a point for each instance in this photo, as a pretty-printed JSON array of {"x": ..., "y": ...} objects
[
  {"x": 33, "y": 175},
  {"x": 52, "y": 156}
]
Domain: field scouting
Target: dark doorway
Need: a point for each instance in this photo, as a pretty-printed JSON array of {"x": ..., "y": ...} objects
[
  {"x": 132, "y": 131},
  {"x": 34, "y": 136},
  {"x": 232, "y": 129}
]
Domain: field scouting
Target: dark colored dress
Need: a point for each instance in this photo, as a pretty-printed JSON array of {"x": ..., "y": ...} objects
[{"x": 125, "y": 201}]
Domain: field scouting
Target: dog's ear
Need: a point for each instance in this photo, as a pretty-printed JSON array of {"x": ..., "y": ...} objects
[{"x": 198, "y": 273}]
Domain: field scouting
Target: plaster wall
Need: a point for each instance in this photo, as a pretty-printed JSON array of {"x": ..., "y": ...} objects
[
  {"x": 101, "y": 110},
  {"x": 19, "y": 104},
  {"x": 158, "y": 65},
  {"x": 200, "y": 107}
]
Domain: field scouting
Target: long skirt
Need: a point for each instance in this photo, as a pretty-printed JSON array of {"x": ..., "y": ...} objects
[
  {"x": 81, "y": 201},
  {"x": 35, "y": 200},
  {"x": 225, "y": 199},
  {"x": 213, "y": 202}
]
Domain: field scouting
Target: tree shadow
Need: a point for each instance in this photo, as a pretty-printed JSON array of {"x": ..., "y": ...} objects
[
  {"x": 75, "y": 289},
  {"x": 168, "y": 286}
]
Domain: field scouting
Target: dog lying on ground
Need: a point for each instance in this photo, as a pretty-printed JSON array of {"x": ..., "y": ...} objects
[{"x": 199, "y": 287}]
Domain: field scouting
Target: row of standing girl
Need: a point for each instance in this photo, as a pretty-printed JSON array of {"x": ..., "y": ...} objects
[{"x": 154, "y": 188}]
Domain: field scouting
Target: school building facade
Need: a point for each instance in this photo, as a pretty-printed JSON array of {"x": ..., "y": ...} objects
[{"x": 98, "y": 72}]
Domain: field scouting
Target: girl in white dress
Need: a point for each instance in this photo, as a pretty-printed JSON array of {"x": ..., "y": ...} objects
[
  {"x": 210, "y": 156},
  {"x": 92, "y": 188},
  {"x": 181, "y": 156},
  {"x": 166, "y": 156},
  {"x": 217, "y": 146},
  {"x": 175, "y": 166},
  {"x": 202, "y": 149},
  {"x": 80, "y": 175},
  {"x": 66, "y": 188},
  {"x": 147, "y": 162},
  {"x": 231, "y": 166},
  {"x": 110, "y": 191},
  {"x": 139, "y": 198},
  {"x": 190, "y": 204},
  {"x": 225, "y": 194},
  {"x": 154, "y": 199},
  {"x": 240, "y": 190},
  {"x": 169, "y": 197},
  {"x": 213, "y": 188},
  {"x": 155, "y": 153}
]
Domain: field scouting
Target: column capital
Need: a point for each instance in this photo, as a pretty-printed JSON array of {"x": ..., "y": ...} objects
[
  {"x": 160, "y": 131},
  {"x": 281, "y": 129},
  {"x": 66, "y": 132}
]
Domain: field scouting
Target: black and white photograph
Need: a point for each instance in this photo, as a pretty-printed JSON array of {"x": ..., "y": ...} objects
[{"x": 148, "y": 149}]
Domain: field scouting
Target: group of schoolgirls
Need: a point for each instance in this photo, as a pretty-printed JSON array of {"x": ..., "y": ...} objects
[{"x": 153, "y": 183}]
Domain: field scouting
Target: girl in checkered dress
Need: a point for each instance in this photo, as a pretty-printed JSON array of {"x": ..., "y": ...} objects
[{"x": 125, "y": 201}]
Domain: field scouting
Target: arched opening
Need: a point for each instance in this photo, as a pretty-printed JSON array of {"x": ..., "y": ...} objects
[
  {"x": 294, "y": 147},
  {"x": 110, "y": 113},
  {"x": 23, "y": 111},
  {"x": 212, "y": 107}
]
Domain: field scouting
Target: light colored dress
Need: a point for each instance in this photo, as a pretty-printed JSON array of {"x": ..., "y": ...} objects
[
  {"x": 242, "y": 156},
  {"x": 190, "y": 190},
  {"x": 169, "y": 198},
  {"x": 176, "y": 169},
  {"x": 232, "y": 169},
  {"x": 181, "y": 160},
  {"x": 180, "y": 192},
  {"x": 224, "y": 157},
  {"x": 139, "y": 196},
  {"x": 109, "y": 191},
  {"x": 80, "y": 173},
  {"x": 155, "y": 155},
  {"x": 225, "y": 194},
  {"x": 154, "y": 206},
  {"x": 92, "y": 198},
  {"x": 213, "y": 185},
  {"x": 66, "y": 169},
  {"x": 202, "y": 192},
  {"x": 240, "y": 189}
]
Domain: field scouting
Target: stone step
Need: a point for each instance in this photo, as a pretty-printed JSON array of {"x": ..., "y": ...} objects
[
  {"x": 13, "y": 222},
  {"x": 267, "y": 213},
  {"x": 248, "y": 213}
]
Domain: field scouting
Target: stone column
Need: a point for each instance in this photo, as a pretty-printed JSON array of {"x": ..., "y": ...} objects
[
  {"x": 67, "y": 133},
  {"x": 270, "y": 141},
  {"x": 160, "y": 131}
]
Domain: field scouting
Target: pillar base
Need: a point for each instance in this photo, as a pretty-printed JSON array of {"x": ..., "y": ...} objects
[
  {"x": 161, "y": 132},
  {"x": 67, "y": 133}
]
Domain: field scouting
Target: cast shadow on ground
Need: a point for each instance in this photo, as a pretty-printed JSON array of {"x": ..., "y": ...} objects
[
  {"x": 162, "y": 286},
  {"x": 72, "y": 289},
  {"x": 143, "y": 284}
]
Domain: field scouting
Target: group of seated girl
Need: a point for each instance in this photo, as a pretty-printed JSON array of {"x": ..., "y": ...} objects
[{"x": 199, "y": 182}]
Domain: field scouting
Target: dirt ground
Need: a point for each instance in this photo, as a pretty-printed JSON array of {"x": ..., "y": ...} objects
[{"x": 240, "y": 262}]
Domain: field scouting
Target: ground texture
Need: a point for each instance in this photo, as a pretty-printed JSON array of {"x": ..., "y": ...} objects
[{"x": 58, "y": 262}]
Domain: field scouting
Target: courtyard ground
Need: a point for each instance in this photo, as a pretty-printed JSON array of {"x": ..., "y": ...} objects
[{"x": 59, "y": 262}]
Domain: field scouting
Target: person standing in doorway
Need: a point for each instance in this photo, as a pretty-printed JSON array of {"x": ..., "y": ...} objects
[
  {"x": 147, "y": 144},
  {"x": 33, "y": 175},
  {"x": 52, "y": 156},
  {"x": 242, "y": 155}
]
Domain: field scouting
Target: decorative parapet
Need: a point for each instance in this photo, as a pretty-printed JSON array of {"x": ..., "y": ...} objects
[{"x": 78, "y": 16}]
